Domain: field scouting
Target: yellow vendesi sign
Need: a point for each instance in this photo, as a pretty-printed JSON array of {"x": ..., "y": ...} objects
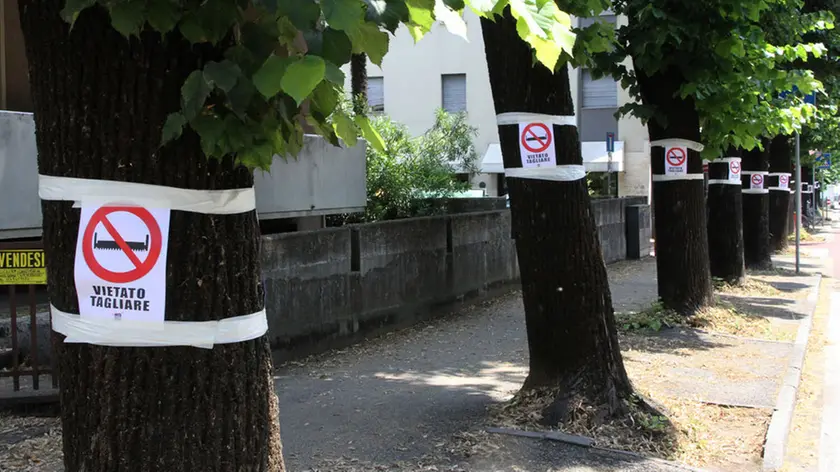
[{"x": 22, "y": 267}]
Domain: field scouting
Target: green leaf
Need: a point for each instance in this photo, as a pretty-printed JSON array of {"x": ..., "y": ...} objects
[
  {"x": 336, "y": 47},
  {"x": 72, "y": 8},
  {"x": 325, "y": 98},
  {"x": 258, "y": 156},
  {"x": 163, "y": 15},
  {"x": 302, "y": 13},
  {"x": 240, "y": 97},
  {"x": 302, "y": 76},
  {"x": 343, "y": 14},
  {"x": 172, "y": 128},
  {"x": 218, "y": 17},
  {"x": 345, "y": 129},
  {"x": 193, "y": 94},
  {"x": 547, "y": 29},
  {"x": 367, "y": 38},
  {"x": 191, "y": 29},
  {"x": 128, "y": 17},
  {"x": 210, "y": 128},
  {"x": 420, "y": 17},
  {"x": 334, "y": 74},
  {"x": 222, "y": 74},
  {"x": 369, "y": 133},
  {"x": 267, "y": 79}
]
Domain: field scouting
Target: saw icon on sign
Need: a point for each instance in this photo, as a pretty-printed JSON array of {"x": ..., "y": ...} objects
[{"x": 113, "y": 246}]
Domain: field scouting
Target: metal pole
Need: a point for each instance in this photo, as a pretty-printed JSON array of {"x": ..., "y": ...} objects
[
  {"x": 609, "y": 174},
  {"x": 798, "y": 199}
]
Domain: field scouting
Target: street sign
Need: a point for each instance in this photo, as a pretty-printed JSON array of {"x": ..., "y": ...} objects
[
  {"x": 676, "y": 160},
  {"x": 824, "y": 161},
  {"x": 120, "y": 268},
  {"x": 22, "y": 267},
  {"x": 735, "y": 171},
  {"x": 610, "y": 142},
  {"x": 536, "y": 145}
]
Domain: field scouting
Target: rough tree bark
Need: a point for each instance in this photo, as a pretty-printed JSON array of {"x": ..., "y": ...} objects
[
  {"x": 726, "y": 230},
  {"x": 780, "y": 156},
  {"x": 571, "y": 328},
  {"x": 100, "y": 102},
  {"x": 358, "y": 82},
  {"x": 756, "y": 210},
  {"x": 682, "y": 246}
]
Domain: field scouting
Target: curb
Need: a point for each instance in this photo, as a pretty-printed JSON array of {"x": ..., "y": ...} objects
[{"x": 777, "y": 432}]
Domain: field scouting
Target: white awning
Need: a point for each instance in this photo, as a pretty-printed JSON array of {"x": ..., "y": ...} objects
[
  {"x": 595, "y": 158},
  {"x": 492, "y": 161}
]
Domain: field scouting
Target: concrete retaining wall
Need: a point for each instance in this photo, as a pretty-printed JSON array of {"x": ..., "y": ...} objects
[{"x": 331, "y": 287}]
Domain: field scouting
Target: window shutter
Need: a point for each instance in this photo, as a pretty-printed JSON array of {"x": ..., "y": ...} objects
[
  {"x": 454, "y": 87},
  {"x": 601, "y": 93},
  {"x": 376, "y": 94}
]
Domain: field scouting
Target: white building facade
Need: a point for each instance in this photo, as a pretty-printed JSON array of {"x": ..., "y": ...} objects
[{"x": 444, "y": 70}]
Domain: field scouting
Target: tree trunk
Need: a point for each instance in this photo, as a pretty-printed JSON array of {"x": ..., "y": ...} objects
[
  {"x": 726, "y": 230},
  {"x": 572, "y": 338},
  {"x": 780, "y": 156},
  {"x": 756, "y": 209},
  {"x": 100, "y": 102},
  {"x": 358, "y": 82},
  {"x": 682, "y": 246}
]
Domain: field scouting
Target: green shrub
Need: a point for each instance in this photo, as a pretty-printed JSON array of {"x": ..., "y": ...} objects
[{"x": 411, "y": 169}]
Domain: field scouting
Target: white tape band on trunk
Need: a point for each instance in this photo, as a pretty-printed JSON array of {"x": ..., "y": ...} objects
[
  {"x": 727, "y": 159},
  {"x": 119, "y": 333},
  {"x": 677, "y": 142},
  {"x": 783, "y": 189},
  {"x": 755, "y": 190},
  {"x": 779, "y": 174},
  {"x": 669, "y": 178},
  {"x": 104, "y": 192},
  {"x": 754, "y": 172},
  {"x": 514, "y": 118},
  {"x": 724, "y": 182},
  {"x": 561, "y": 173}
]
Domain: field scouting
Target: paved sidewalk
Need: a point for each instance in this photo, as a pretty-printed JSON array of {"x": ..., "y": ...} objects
[{"x": 403, "y": 396}]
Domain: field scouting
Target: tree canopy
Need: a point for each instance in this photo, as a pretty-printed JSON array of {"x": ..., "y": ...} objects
[{"x": 727, "y": 62}]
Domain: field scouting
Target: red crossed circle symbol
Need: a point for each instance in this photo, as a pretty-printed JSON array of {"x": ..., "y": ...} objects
[
  {"x": 675, "y": 157},
  {"x": 735, "y": 167},
  {"x": 783, "y": 179},
  {"x": 757, "y": 179},
  {"x": 543, "y": 137},
  {"x": 141, "y": 268}
]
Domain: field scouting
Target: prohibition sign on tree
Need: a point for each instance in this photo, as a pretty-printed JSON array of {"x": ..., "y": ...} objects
[
  {"x": 141, "y": 268},
  {"x": 542, "y": 136},
  {"x": 675, "y": 156},
  {"x": 735, "y": 167},
  {"x": 783, "y": 179},
  {"x": 757, "y": 179}
]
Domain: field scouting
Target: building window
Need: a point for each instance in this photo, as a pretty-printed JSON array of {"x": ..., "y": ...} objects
[
  {"x": 376, "y": 94},
  {"x": 454, "y": 92},
  {"x": 600, "y": 93}
]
